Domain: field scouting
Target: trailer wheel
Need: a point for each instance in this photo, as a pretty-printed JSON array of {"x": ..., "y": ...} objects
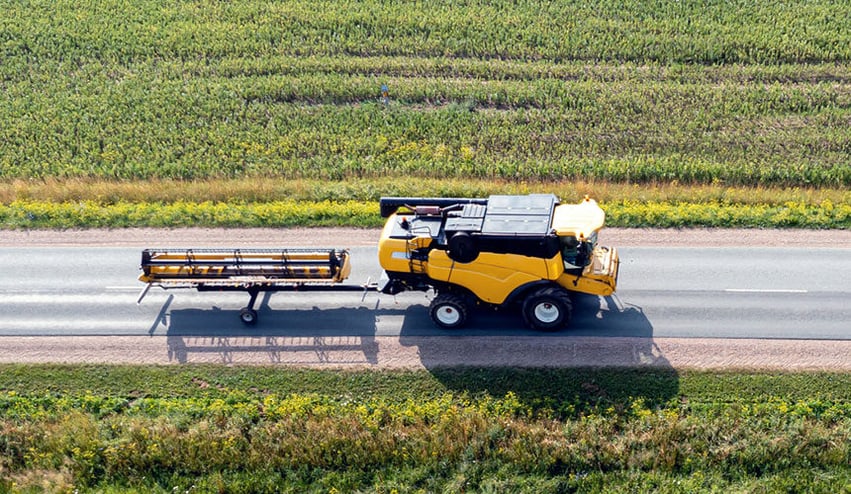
[
  {"x": 547, "y": 309},
  {"x": 449, "y": 311},
  {"x": 248, "y": 316}
]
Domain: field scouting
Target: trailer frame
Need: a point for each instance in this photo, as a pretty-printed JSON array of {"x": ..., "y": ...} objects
[{"x": 253, "y": 271}]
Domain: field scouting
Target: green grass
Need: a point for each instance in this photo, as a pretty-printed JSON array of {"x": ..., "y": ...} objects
[
  {"x": 78, "y": 203},
  {"x": 87, "y": 214},
  {"x": 235, "y": 429}
]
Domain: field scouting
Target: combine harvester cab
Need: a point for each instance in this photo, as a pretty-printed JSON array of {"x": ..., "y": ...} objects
[{"x": 529, "y": 251}]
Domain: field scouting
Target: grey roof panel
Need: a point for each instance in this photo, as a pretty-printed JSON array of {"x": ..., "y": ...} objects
[
  {"x": 469, "y": 219},
  {"x": 535, "y": 204},
  {"x": 520, "y": 215},
  {"x": 463, "y": 224},
  {"x": 511, "y": 224}
]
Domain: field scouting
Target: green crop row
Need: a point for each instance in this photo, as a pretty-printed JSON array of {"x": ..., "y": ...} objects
[
  {"x": 494, "y": 69},
  {"x": 623, "y": 30},
  {"x": 331, "y": 126},
  {"x": 748, "y": 93},
  {"x": 34, "y": 214},
  {"x": 260, "y": 190}
]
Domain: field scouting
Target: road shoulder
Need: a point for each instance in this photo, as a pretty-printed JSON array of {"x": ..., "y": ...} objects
[
  {"x": 356, "y": 237},
  {"x": 428, "y": 352}
]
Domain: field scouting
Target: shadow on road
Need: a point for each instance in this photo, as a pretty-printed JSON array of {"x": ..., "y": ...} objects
[
  {"x": 344, "y": 336},
  {"x": 603, "y": 332}
]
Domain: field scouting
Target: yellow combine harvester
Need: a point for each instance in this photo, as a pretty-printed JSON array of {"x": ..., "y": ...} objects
[
  {"x": 528, "y": 252},
  {"x": 524, "y": 251}
]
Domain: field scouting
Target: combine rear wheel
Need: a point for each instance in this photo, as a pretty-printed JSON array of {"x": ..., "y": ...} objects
[
  {"x": 547, "y": 309},
  {"x": 449, "y": 311}
]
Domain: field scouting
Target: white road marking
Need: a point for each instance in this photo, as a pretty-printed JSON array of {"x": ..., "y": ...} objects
[{"x": 761, "y": 290}]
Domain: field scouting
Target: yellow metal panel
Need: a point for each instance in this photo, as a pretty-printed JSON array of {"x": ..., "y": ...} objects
[
  {"x": 599, "y": 278},
  {"x": 492, "y": 277},
  {"x": 394, "y": 253},
  {"x": 387, "y": 245}
]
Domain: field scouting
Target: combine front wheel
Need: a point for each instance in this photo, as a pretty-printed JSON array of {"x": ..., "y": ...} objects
[
  {"x": 449, "y": 311},
  {"x": 547, "y": 309}
]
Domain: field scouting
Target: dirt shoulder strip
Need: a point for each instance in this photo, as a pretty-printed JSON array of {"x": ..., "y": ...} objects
[
  {"x": 387, "y": 352},
  {"x": 355, "y": 237}
]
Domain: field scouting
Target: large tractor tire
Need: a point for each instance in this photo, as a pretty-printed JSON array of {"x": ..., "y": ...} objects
[
  {"x": 449, "y": 311},
  {"x": 547, "y": 309}
]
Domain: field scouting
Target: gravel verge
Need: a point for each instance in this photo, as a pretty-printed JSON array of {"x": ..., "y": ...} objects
[
  {"x": 427, "y": 352},
  {"x": 353, "y": 237}
]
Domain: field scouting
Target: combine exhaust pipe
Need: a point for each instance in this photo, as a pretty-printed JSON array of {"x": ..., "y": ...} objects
[{"x": 389, "y": 205}]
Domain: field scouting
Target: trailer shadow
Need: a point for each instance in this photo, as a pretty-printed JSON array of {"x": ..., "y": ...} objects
[{"x": 316, "y": 336}]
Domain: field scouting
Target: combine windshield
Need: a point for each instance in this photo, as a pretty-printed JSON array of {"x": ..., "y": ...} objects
[{"x": 576, "y": 254}]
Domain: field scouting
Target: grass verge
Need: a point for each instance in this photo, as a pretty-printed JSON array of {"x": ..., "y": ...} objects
[
  {"x": 268, "y": 203},
  {"x": 204, "y": 429},
  {"x": 28, "y": 214}
]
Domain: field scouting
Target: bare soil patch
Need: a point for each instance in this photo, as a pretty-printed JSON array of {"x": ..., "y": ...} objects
[{"x": 427, "y": 352}]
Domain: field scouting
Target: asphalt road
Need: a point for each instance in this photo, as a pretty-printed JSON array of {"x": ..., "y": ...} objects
[{"x": 784, "y": 293}]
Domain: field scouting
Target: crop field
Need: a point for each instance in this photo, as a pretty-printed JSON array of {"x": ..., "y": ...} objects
[
  {"x": 694, "y": 94},
  {"x": 214, "y": 429}
]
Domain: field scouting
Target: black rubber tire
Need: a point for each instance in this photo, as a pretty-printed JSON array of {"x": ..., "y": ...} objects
[
  {"x": 463, "y": 248},
  {"x": 547, "y": 309},
  {"x": 448, "y": 311},
  {"x": 248, "y": 316}
]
